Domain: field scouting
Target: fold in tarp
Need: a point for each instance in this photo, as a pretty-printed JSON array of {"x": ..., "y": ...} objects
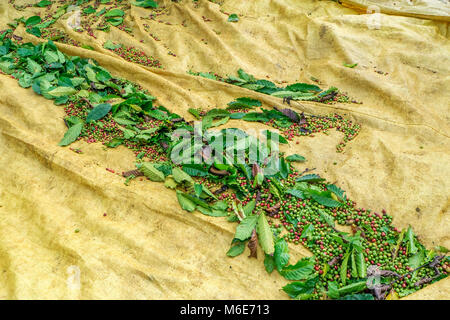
[
  {"x": 135, "y": 242},
  {"x": 423, "y": 9}
]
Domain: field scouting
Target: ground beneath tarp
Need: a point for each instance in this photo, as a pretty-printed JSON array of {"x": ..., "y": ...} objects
[{"x": 147, "y": 247}]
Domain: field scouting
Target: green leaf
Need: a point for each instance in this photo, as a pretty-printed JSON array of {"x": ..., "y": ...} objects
[
  {"x": 114, "y": 13},
  {"x": 249, "y": 207},
  {"x": 233, "y": 18},
  {"x": 245, "y": 76},
  {"x": 333, "y": 290},
  {"x": 25, "y": 80},
  {"x": 31, "y": 21},
  {"x": 146, "y": 4},
  {"x": 269, "y": 263},
  {"x": 399, "y": 242},
  {"x": 219, "y": 122},
  {"x": 217, "y": 113},
  {"x": 90, "y": 74},
  {"x": 98, "y": 112},
  {"x": 59, "y": 13},
  {"x": 164, "y": 168},
  {"x": 300, "y": 271},
  {"x": 103, "y": 76},
  {"x": 199, "y": 202},
  {"x": 353, "y": 288},
  {"x": 198, "y": 189},
  {"x": 195, "y": 170},
  {"x": 181, "y": 177},
  {"x": 310, "y": 178},
  {"x": 296, "y": 193},
  {"x": 7, "y": 67},
  {"x": 270, "y": 135},
  {"x": 76, "y": 81},
  {"x": 24, "y": 52},
  {"x": 194, "y": 112},
  {"x": 307, "y": 231},
  {"x": 349, "y": 65},
  {"x": 325, "y": 199},
  {"x": 301, "y": 289},
  {"x": 73, "y": 120},
  {"x": 207, "y": 122},
  {"x": 354, "y": 272},
  {"x": 33, "y": 67},
  {"x": 411, "y": 242},
  {"x": 128, "y": 133},
  {"x": 44, "y": 87},
  {"x": 237, "y": 249},
  {"x": 88, "y": 47},
  {"x": 157, "y": 114},
  {"x": 115, "y": 21},
  {"x": 170, "y": 183},
  {"x": 337, "y": 191},
  {"x": 45, "y": 24},
  {"x": 441, "y": 249},
  {"x": 281, "y": 254},
  {"x": 99, "y": 13},
  {"x": 115, "y": 142},
  {"x": 149, "y": 170},
  {"x": 361, "y": 265},
  {"x": 3, "y": 50},
  {"x": 51, "y": 56},
  {"x": 265, "y": 235},
  {"x": 416, "y": 260},
  {"x": 62, "y": 91},
  {"x": 245, "y": 228},
  {"x": 276, "y": 188},
  {"x": 360, "y": 296},
  {"x": 266, "y": 83},
  {"x": 252, "y": 86},
  {"x": 207, "y": 75},
  {"x": 295, "y": 158},
  {"x": 255, "y": 116},
  {"x": 220, "y": 205},
  {"x": 328, "y": 91},
  {"x": 343, "y": 271},
  {"x": 404, "y": 293},
  {"x": 291, "y": 94},
  {"x": 233, "y": 79},
  {"x": 110, "y": 45},
  {"x": 124, "y": 121},
  {"x": 43, "y": 3},
  {"x": 326, "y": 217},
  {"x": 303, "y": 87},
  {"x": 212, "y": 212},
  {"x": 71, "y": 135},
  {"x": 89, "y": 10},
  {"x": 185, "y": 203},
  {"x": 13, "y": 24},
  {"x": 244, "y": 103},
  {"x": 259, "y": 179},
  {"x": 34, "y": 31}
]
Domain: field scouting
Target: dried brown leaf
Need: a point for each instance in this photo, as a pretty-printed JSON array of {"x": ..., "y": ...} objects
[{"x": 253, "y": 245}]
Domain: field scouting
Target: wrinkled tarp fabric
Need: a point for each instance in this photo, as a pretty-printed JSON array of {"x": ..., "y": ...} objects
[
  {"x": 425, "y": 9},
  {"x": 147, "y": 247}
]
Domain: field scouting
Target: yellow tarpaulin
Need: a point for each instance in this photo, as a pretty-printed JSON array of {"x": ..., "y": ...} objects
[
  {"x": 426, "y": 9},
  {"x": 146, "y": 246}
]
